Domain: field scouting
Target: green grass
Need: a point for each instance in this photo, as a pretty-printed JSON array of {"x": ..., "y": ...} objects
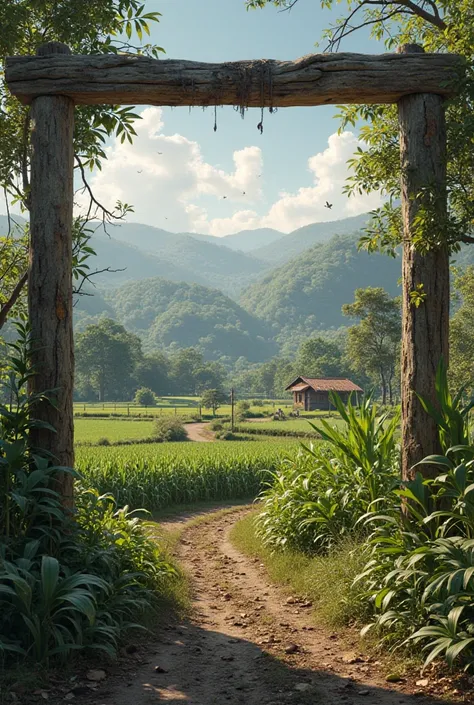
[
  {"x": 327, "y": 581},
  {"x": 92, "y": 430},
  {"x": 158, "y": 475}
]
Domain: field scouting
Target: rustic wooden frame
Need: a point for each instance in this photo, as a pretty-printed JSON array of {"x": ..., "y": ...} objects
[{"x": 54, "y": 81}]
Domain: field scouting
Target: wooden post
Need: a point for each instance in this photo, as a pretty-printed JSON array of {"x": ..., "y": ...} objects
[
  {"x": 50, "y": 273},
  {"x": 425, "y": 328},
  {"x": 232, "y": 410}
]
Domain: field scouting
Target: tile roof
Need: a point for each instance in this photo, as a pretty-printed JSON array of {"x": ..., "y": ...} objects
[{"x": 325, "y": 384}]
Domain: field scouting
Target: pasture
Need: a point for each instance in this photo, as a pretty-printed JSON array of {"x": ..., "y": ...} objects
[{"x": 90, "y": 431}]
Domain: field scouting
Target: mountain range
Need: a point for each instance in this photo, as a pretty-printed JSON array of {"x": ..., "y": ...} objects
[{"x": 248, "y": 295}]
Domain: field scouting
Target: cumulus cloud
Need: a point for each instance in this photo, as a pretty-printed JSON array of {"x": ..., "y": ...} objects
[
  {"x": 169, "y": 183},
  {"x": 161, "y": 175}
]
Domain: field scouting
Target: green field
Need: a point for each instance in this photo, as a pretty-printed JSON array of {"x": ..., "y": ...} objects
[
  {"x": 114, "y": 430},
  {"x": 155, "y": 476}
]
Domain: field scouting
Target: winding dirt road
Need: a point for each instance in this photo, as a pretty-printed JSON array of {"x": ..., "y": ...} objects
[
  {"x": 199, "y": 432},
  {"x": 247, "y": 642}
]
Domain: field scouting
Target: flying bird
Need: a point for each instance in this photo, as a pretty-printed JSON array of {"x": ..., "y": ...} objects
[
  {"x": 139, "y": 172},
  {"x": 328, "y": 205},
  {"x": 224, "y": 196},
  {"x": 159, "y": 152},
  {"x": 243, "y": 193}
]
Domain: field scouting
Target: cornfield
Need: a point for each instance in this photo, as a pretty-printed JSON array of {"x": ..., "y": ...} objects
[{"x": 156, "y": 476}]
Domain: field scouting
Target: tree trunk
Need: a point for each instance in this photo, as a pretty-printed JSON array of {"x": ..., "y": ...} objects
[
  {"x": 384, "y": 387},
  {"x": 50, "y": 276},
  {"x": 425, "y": 328}
]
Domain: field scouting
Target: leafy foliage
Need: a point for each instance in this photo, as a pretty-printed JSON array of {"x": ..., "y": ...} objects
[
  {"x": 145, "y": 397},
  {"x": 373, "y": 344},
  {"x": 68, "y": 579},
  {"x": 169, "y": 428},
  {"x": 319, "y": 496}
]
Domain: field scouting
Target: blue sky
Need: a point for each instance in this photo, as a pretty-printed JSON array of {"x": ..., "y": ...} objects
[
  {"x": 182, "y": 176},
  {"x": 220, "y": 30}
]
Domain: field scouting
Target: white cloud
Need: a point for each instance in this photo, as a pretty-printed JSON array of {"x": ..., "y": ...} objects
[
  {"x": 170, "y": 184},
  {"x": 161, "y": 175}
]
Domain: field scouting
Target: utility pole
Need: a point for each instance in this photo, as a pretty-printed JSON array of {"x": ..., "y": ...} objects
[{"x": 232, "y": 409}]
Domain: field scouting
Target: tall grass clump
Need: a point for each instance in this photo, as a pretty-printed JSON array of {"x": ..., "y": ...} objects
[
  {"x": 70, "y": 579},
  {"x": 420, "y": 574},
  {"x": 317, "y": 497}
]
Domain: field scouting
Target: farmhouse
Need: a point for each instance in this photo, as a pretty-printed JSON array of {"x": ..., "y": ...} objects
[{"x": 311, "y": 394}]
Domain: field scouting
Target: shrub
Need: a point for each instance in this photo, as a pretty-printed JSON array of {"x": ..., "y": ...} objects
[
  {"x": 145, "y": 397},
  {"x": 103, "y": 442},
  {"x": 420, "y": 573},
  {"x": 318, "y": 497},
  {"x": 170, "y": 428},
  {"x": 216, "y": 425},
  {"x": 68, "y": 580}
]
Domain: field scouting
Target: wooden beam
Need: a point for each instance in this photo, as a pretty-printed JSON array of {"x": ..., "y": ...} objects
[
  {"x": 50, "y": 277},
  {"x": 317, "y": 79}
]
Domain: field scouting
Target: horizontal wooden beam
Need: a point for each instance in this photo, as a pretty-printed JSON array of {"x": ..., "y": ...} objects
[{"x": 317, "y": 79}]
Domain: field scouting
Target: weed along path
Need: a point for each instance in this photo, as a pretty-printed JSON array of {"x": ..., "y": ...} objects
[
  {"x": 199, "y": 432},
  {"x": 245, "y": 642}
]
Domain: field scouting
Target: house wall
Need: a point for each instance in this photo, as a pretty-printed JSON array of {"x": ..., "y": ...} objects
[{"x": 317, "y": 401}]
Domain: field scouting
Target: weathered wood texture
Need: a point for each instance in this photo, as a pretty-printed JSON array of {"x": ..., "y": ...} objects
[
  {"x": 425, "y": 332},
  {"x": 50, "y": 276},
  {"x": 317, "y": 79}
]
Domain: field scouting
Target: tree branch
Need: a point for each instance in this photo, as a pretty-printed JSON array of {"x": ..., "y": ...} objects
[{"x": 6, "y": 308}]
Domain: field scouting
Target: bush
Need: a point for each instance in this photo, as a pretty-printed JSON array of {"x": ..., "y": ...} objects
[
  {"x": 257, "y": 402},
  {"x": 170, "y": 428},
  {"x": 318, "y": 498},
  {"x": 216, "y": 426},
  {"x": 103, "y": 442},
  {"x": 68, "y": 580},
  {"x": 145, "y": 397},
  {"x": 420, "y": 573}
]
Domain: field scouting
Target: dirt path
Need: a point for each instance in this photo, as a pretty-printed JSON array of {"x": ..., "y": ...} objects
[
  {"x": 247, "y": 643},
  {"x": 199, "y": 432}
]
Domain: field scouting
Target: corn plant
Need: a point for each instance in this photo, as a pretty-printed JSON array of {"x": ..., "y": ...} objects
[{"x": 321, "y": 494}]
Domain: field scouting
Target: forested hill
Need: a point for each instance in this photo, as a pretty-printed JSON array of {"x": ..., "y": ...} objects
[
  {"x": 166, "y": 313},
  {"x": 306, "y": 294},
  {"x": 289, "y": 246},
  {"x": 154, "y": 252}
]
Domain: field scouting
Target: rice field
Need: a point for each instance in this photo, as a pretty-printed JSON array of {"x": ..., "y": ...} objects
[{"x": 156, "y": 476}]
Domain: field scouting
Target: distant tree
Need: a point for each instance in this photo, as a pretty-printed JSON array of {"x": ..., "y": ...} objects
[
  {"x": 212, "y": 399},
  {"x": 106, "y": 355},
  {"x": 462, "y": 333},
  {"x": 373, "y": 344},
  {"x": 191, "y": 373},
  {"x": 318, "y": 357},
  {"x": 153, "y": 371},
  {"x": 145, "y": 397}
]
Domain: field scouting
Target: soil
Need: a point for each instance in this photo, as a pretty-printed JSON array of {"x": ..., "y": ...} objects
[
  {"x": 199, "y": 432},
  {"x": 246, "y": 642}
]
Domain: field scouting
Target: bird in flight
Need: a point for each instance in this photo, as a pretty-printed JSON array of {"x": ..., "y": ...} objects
[
  {"x": 328, "y": 205},
  {"x": 159, "y": 152},
  {"x": 243, "y": 193},
  {"x": 139, "y": 172},
  {"x": 224, "y": 196}
]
